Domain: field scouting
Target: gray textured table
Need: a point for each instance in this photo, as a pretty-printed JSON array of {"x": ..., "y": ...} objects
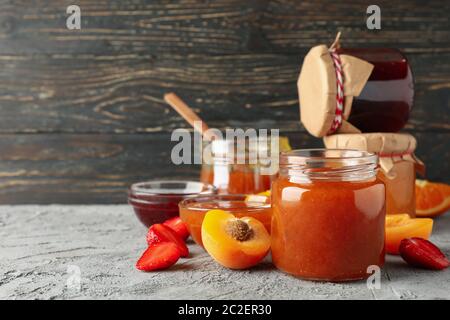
[{"x": 43, "y": 249}]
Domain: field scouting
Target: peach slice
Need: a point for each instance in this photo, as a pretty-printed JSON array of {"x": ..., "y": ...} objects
[{"x": 234, "y": 243}]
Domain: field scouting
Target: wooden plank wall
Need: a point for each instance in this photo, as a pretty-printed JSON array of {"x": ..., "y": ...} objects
[{"x": 81, "y": 111}]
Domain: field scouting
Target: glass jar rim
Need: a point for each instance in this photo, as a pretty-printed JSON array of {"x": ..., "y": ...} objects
[
  {"x": 171, "y": 188},
  {"x": 257, "y": 151},
  {"x": 224, "y": 146},
  {"x": 329, "y": 164},
  {"x": 305, "y": 156},
  {"x": 228, "y": 198}
]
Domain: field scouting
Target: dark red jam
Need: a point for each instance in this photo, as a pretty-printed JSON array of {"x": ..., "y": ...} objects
[
  {"x": 157, "y": 201},
  {"x": 386, "y": 101}
]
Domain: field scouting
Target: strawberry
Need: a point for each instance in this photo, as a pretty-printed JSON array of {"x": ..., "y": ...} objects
[
  {"x": 158, "y": 256},
  {"x": 422, "y": 253},
  {"x": 177, "y": 225},
  {"x": 158, "y": 233}
]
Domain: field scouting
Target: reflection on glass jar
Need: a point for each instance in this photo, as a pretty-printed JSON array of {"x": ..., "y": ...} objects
[{"x": 328, "y": 210}]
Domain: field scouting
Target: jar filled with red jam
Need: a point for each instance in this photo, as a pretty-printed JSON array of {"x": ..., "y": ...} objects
[
  {"x": 328, "y": 215},
  {"x": 387, "y": 98},
  {"x": 378, "y": 90},
  {"x": 239, "y": 167}
]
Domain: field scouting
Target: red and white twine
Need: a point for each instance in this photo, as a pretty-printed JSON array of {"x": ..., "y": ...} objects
[{"x": 337, "y": 122}]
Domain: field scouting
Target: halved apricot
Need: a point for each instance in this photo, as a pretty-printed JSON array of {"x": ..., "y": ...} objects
[
  {"x": 401, "y": 226},
  {"x": 232, "y": 242}
]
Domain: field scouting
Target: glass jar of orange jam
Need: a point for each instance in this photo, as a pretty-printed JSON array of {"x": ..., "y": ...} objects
[
  {"x": 236, "y": 171},
  {"x": 400, "y": 188},
  {"x": 328, "y": 214}
]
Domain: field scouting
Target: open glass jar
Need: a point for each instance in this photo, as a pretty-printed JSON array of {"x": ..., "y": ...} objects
[
  {"x": 328, "y": 214},
  {"x": 240, "y": 167}
]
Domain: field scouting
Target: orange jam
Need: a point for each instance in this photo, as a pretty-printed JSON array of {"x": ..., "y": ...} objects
[
  {"x": 328, "y": 215},
  {"x": 236, "y": 179},
  {"x": 192, "y": 211},
  {"x": 239, "y": 166}
]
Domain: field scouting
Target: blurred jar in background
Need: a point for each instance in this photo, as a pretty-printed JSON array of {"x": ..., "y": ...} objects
[
  {"x": 239, "y": 167},
  {"x": 397, "y": 162}
]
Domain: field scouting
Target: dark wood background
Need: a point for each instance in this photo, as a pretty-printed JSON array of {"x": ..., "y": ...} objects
[{"x": 81, "y": 111}]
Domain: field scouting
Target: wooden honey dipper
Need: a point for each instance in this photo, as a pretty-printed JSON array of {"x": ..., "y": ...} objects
[{"x": 189, "y": 115}]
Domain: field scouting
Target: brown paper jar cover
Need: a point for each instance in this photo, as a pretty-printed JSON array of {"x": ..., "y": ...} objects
[
  {"x": 317, "y": 89},
  {"x": 397, "y": 162},
  {"x": 378, "y": 90}
]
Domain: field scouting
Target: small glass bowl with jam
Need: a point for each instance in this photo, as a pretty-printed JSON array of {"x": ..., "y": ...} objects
[
  {"x": 156, "y": 201},
  {"x": 193, "y": 210}
]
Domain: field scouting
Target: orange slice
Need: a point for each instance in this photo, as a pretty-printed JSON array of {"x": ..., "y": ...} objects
[{"x": 432, "y": 199}]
